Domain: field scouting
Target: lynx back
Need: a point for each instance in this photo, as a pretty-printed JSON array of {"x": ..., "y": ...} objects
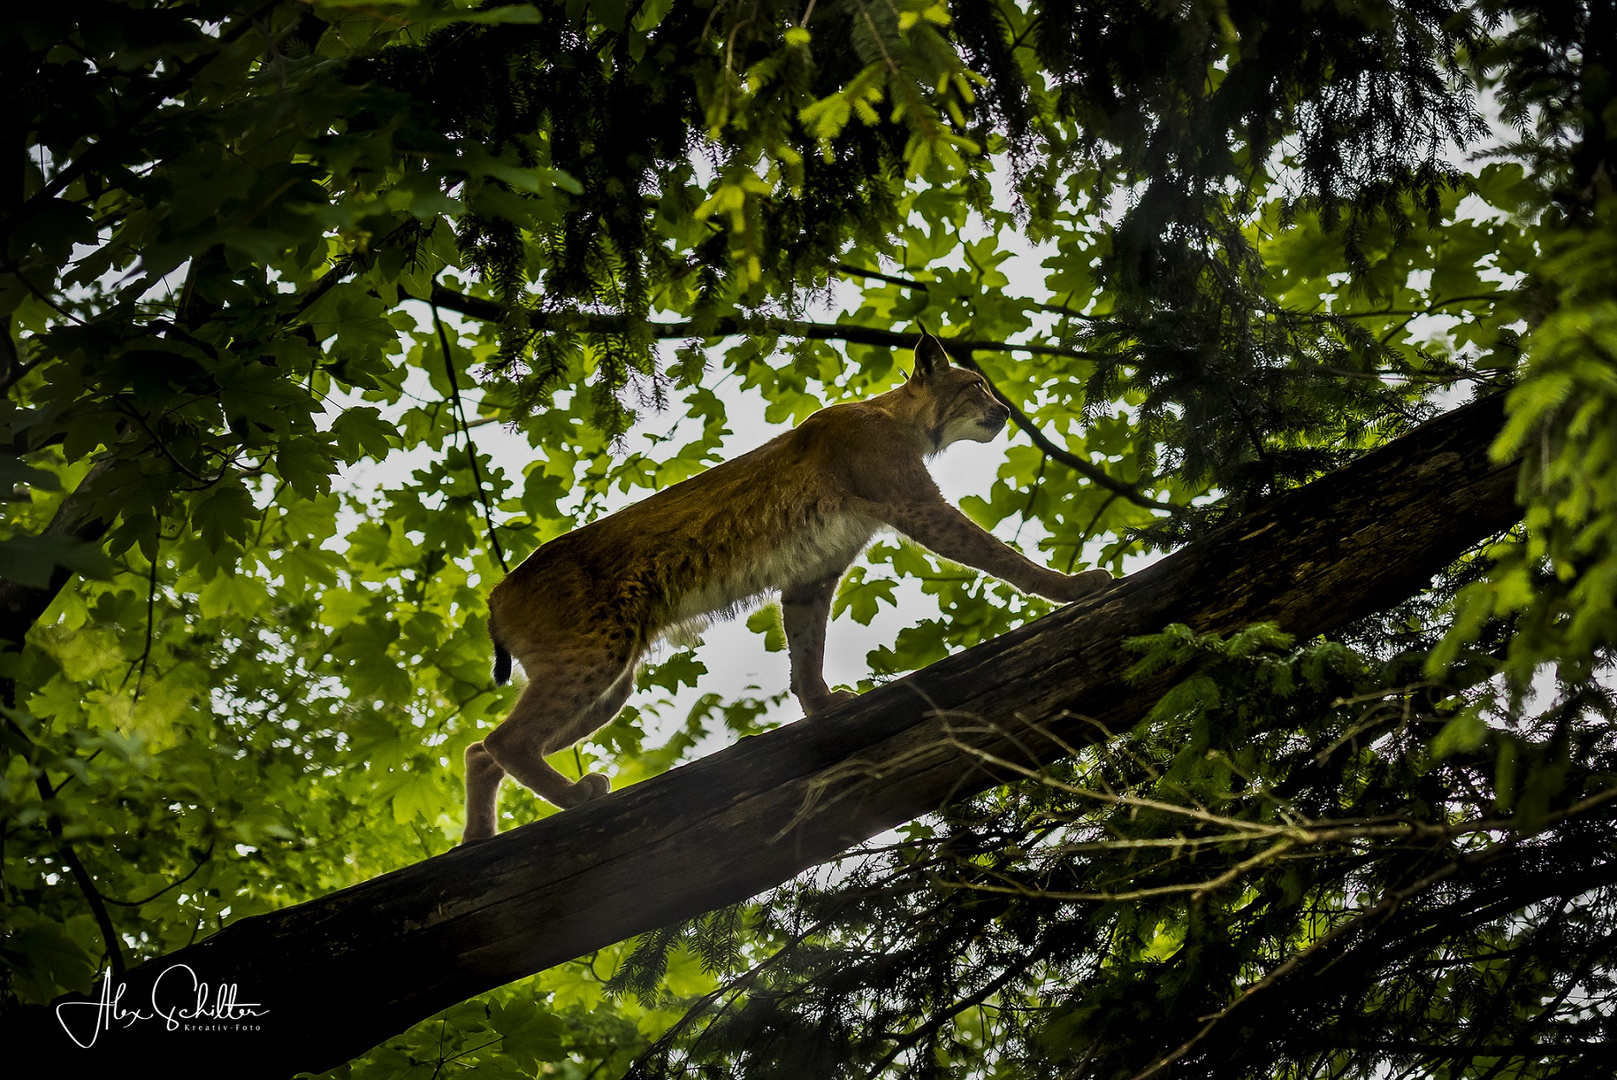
[{"x": 788, "y": 517}]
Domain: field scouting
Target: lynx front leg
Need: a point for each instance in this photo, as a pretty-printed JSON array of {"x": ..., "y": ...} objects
[
  {"x": 936, "y": 525},
  {"x": 805, "y": 609}
]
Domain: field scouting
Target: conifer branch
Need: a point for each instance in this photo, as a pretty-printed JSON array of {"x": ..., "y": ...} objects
[
  {"x": 944, "y": 1016},
  {"x": 1383, "y": 909}
]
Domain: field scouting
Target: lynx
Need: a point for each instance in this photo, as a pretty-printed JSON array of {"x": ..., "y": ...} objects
[{"x": 791, "y": 516}]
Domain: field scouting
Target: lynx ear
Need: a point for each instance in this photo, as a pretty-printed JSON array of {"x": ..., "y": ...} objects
[{"x": 929, "y": 357}]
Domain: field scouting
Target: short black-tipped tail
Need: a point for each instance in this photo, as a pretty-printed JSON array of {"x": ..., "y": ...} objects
[{"x": 502, "y": 658}]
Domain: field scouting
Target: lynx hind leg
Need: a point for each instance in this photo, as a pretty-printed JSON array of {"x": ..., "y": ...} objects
[
  {"x": 483, "y": 776},
  {"x": 1091, "y": 581},
  {"x": 562, "y": 703}
]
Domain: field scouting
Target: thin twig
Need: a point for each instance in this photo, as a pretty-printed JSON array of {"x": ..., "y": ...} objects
[
  {"x": 1385, "y": 908},
  {"x": 471, "y": 447},
  {"x": 206, "y": 856},
  {"x": 80, "y": 874},
  {"x": 962, "y": 349},
  {"x": 1131, "y": 492},
  {"x": 165, "y": 90},
  {"x": 151, "y": 610},
  {"x": 590, "y": 322}
]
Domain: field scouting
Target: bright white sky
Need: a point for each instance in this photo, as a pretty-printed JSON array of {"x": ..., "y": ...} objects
[{"x": 734, "y": 656}]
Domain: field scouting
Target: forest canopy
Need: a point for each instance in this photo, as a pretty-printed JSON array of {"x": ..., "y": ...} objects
[{"x": 320, "y": 316}]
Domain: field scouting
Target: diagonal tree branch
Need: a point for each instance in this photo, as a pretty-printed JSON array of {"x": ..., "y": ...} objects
[
  {"x": 963, "y": 349},
  {"x": 1095, "y": 473},
  {"x": 476, "y": 307},
  {"x": 339, "y": 974},
  {"x": 77, "y": 520}
]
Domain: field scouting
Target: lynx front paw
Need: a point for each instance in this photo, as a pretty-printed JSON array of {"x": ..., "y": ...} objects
[
  {"x": 1081, "y": 585},
  {"x": 830, "y": 700}
]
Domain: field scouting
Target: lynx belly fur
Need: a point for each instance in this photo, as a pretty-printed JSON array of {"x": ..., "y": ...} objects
[{"x": 790, "y": 517}]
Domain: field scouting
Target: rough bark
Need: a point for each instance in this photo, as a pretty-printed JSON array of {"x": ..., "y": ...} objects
[{"x": 340, "y": 974}]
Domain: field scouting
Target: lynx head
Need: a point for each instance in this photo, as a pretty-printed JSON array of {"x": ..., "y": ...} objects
[{"x": 953, "y": 403}]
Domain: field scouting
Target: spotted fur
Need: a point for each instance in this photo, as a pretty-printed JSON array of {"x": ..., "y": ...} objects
[{"x": 789, "y": 517}]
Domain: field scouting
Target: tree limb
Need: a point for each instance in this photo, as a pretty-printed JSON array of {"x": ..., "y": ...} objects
[
  {"x": 339, "y": 974},
  {"x": 21, "y": 605}
]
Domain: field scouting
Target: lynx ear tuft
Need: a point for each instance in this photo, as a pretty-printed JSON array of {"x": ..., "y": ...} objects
[{"x": 929, "y": 357}]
